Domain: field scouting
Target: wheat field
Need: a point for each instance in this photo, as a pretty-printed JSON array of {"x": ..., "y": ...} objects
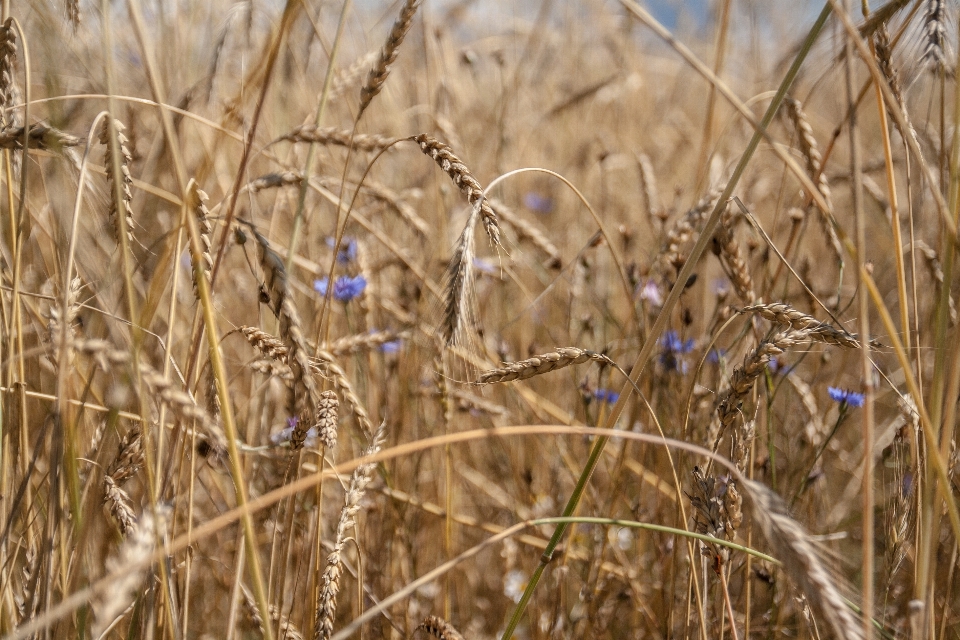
[{"x": 586, "y": 319}]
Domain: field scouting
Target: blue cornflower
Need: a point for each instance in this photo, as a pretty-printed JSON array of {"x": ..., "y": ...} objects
[
  {"x": 716, "y": 355},
  {"x": 345, "y": 288},
  {"x": 673, "y": 350},
  {"x": 283, "y": 436},
  {"x": 606, "y": 395},
  {"x": 536, "y": 202},
  {"x": 845, "y": 397},
  {"x": 348, "y": 249},
  {"x": 391, "y": 347}
]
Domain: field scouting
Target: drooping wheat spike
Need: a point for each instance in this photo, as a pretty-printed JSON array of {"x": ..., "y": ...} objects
[
  {"x": 271, "y": 347},
  {"x": 744, "y": 376},
  {"x": 439, "y": 628},
  {"x": 814, "y": 160},
  {"x": 136, "y": 548},
  {"x": 648, "y": 187},
  {"x": 461, "y": 176},
  {"x": 339, "y": 137},
  {"x": 326, "y": 364},
  {"x": 388, "y": 55},
  {"x": 9, "y": 88},
  {"x": 328, "y": 413},
  {"x": 73, "y": 13},
  {"x": 458, "y": 307},
  {"x": 935, "y": 26},
  {"x": 526, "y": 230},
  {"x": 198, "y": 202},
  {"x": 791, "y": 545},
  {"x": 363, "y": 342},
  {"x": 327, "y": 602},
  {"x": 128, "y": 461},
  {"x": 538, "y": 365},
  {"x": 125, "y": 160},
  {"x": 813, "y": 329},
  {"x": 291, "y": 332},
  {"x": 40, "y": 136},
  {"x": 274, "y": 181},
  {"x": 682, "y": 231},
  {"x": 727, "y": 249}
]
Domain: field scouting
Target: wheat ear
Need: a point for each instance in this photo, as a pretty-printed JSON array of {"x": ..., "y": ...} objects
[
  {"x": 327, "y": 602},
  {"x": 813, "y": 329},
  {"x": 439, "y": 628},
  {"x": 135, "y": 550},
  {"x": 198, "y": 202},
  {"x": 538, "y": 365},
  {"x": 125, "y": 160},
  {"x": 128, "y": 461},
  {"x": 727, "y": 249},
  {"x": 814, "y": 161},
  {"x": 388, "y": 55},
  {"x": 458, "y": 309},
  {"x": 935, "y": 20},
  {"x": 339, "y": 137},
  {"x": 328, "y": 411},
  {"x": 791, "y": 545},
  {"x": 291, "y": 332},
  {"x": 326, "y": 364},
  {"x": 744, "y": 376}
]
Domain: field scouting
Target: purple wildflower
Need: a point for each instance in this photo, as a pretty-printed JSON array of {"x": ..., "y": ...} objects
[
  {"x": 716, "y": 355},
  {"x": 650, "y": 292},
  {"x": 606, "y": 395},
  {"x": 845, "y": 397},
  {"x": 283, "y": 436},
  {"x": 348, "y": 249},
  {"x": 391, "y": 347},
  {"x": 671, "y": 357},
  {"x": 536, "y": 202},
  {"x": 345, "y": 288}
]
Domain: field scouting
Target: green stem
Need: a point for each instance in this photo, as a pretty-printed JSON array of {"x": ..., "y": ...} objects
[{"x": 668, "y": 305}]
